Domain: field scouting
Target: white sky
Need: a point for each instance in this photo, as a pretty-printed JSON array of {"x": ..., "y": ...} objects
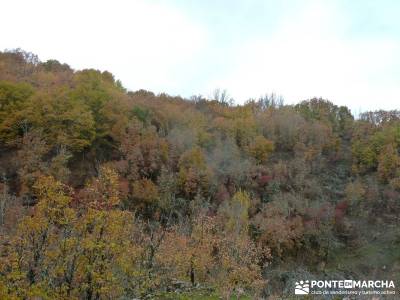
[{"x": 348, "y": 54}]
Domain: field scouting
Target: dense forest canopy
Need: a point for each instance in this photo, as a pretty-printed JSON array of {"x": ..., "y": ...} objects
[{"x": 112, "y": 194}]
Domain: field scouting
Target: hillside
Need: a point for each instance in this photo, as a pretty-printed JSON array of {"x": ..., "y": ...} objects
[{"x": 113, "y": 194}]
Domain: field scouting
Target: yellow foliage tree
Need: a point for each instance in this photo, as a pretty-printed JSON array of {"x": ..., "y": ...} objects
[
  {"x": 103, "y": 192},
  {"x": 260, "y": 148}
]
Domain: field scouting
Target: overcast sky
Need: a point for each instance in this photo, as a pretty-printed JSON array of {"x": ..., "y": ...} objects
[{"x": 344, "y": 51}]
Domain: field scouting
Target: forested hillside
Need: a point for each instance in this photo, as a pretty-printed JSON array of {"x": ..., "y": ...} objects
[{"x": 112, "y": 194}]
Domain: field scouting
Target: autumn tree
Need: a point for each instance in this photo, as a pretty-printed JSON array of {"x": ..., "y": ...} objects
[
  {"x": 13, "y": 101},
  {"x": 260, "y": 148},
  {"x": 388, "y": 163},
  {"x": 188, "y": 256},
  {"x": 28, "y": 256},
  {"x": 194, "y": 175},
  {"x": 102, "y": 193}
]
